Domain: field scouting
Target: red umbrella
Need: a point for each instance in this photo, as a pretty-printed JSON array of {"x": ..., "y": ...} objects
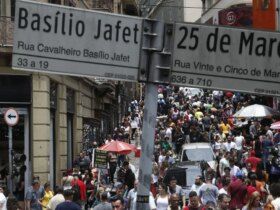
[
  {"x": 275, "y": 125},
  {"x": 229, "y": 94},
  {"x": 119, "y": 147}
]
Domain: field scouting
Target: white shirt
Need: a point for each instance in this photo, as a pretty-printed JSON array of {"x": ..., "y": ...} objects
[
  {"x": 222, "y": 191},
  {"x": 270, "y": 134},
  {"x": 55, "y": 200},
  {"x": 239, "y": 142},
  {"x": 3, "y": 202},
  {"x": 234, "y": 170},
  {"x": 222, "y": 165},
  {"x": 162, "y": 203},
  {"x": 228, "y": 146},
  {"x": 131, "y": 196},
  {"x": 276, "y": 203},
  {"x": 196, "y": 188},
  {"x": 160, "y": 159}
]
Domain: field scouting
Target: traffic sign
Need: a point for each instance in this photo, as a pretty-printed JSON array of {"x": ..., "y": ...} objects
[
  {"x": 226, "y": 58},
  {"x": 66, "y": 40},
  {"x": 11, "y": 117}
]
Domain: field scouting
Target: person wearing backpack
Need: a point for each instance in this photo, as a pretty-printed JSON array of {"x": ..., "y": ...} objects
[{"x": 79, "y": 191}]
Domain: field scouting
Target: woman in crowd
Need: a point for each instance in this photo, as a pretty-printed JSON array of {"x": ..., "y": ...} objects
[
  {"x": 162, "y": 197},
  {"x": 253, "y": 202},
  {"x": 47, "y": 196}
]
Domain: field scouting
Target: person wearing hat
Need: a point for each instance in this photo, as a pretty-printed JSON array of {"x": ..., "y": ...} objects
[{"x": 68, "y": 204}]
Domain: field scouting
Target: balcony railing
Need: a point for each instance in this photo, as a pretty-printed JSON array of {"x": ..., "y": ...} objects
[{"x": 6, "y": 31}]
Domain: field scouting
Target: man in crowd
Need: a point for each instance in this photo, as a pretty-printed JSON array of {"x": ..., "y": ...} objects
[
  {"x": 118, "y": 203},
  {"x": 33, "y": 196},
  {"x": 223, "y": 202},
  {"x": 174, "y": 202},
  {"x": 132, "y": 195},
  {"x": 104, "y": 205},
  {"x": 68, "y": 204},
  {"x": 57, "y": 199},
  {"x": 80, "y": 190},
  {"x": 176, "y": 189},
  {"x": 237, "y": 190},
  {"x": 197, "y": 184},
  {"x": 194, "y": 203},
  {"x": 208, "y": 192}
]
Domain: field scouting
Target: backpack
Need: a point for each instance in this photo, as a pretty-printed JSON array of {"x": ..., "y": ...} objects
[{"x": 76, "y": 192}]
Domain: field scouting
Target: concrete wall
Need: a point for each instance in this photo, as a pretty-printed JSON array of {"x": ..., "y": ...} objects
[
  {"x": 192, "y": 10},
  {"x": 40, "y": 135}
]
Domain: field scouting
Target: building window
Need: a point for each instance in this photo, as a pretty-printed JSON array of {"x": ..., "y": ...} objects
[
  {"x": 55, "y": 1},
  {"x": 69, "y": 140},
  {"x": 13, "y": 6},
  {"x": 53, "y": 95},
  {"x": 70, "y": 3},
  {"x": 70, "y": 98},
  {"x": 53, "y": 108},
  {"x": 91, "y": 132}
]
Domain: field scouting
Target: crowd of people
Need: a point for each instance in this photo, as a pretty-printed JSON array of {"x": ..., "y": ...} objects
[{"x": 246, "y": 175}]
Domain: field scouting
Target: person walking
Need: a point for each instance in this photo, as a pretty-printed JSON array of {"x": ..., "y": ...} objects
[
  {"x": 208, "y": 192},
  {"x": 47, "y": 196},
  {"x": 3, "y": 200},
  {"x": 68, "y": 204},
  {"x": 32, "y": 198},
  {"x": 104, "y": 205},
  {"x": 162, "y": 197},
  {"x": 223, "y": 202},
  {"x": 237, "y": 190},
  {"x": 56, "y": 199},
  {"x": 194, "y": 203},
  {"x": 253, "y": 202}
]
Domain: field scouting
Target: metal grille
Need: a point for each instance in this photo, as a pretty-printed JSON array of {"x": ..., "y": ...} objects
[{"x": 107, "y": 5}]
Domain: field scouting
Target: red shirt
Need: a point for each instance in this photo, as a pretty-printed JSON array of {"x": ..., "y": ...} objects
[
  {"x": 237, "y": 190},
  {"x": 82, "y": 187},
  {"x": 254, "y": 162}
]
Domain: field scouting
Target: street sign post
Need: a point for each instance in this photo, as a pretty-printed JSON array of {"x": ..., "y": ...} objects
[
  {"x": 11, "y": 117},
  {"x": 66, "y": 40},
  {"x": 226, "y": 58}
]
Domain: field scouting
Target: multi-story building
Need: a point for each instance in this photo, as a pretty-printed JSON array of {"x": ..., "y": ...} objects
[
  {"x": 58, "y": 115},
  {"x": 227, "y": 12}
]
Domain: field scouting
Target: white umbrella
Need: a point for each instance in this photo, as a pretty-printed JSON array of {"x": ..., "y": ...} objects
[
  {"x": 275, "y": 125},
  {"x": 256, "y": 111}
]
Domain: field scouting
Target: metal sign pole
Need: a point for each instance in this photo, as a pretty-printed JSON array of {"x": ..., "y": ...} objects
[
  {"x": 147, "y": 146},
  {"x": 10, "y": 181}
]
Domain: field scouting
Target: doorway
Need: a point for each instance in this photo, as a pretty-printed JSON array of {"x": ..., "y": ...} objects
[{"x": 20, "y": 179}]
